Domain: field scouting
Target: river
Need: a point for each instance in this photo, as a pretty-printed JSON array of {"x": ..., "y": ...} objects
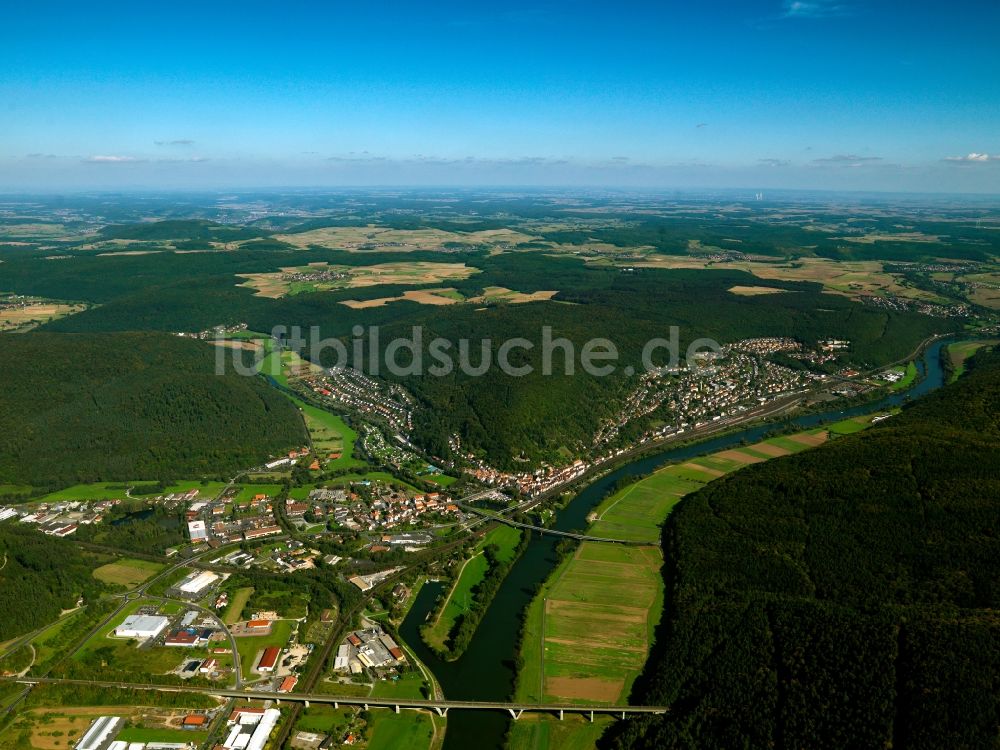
[{"x": 486, "y": 669}]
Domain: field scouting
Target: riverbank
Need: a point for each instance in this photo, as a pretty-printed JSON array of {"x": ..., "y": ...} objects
[{"x": 486, "y": 670}]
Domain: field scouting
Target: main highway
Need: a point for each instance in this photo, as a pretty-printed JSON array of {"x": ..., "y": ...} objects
[{"x": 440, "y": 706}]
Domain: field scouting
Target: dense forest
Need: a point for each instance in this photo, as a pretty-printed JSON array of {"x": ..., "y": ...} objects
[
  {"x": 504, "y": 419},
  {"x": 843, "y": 597},
  {"x": 40, "y": 577},
  {"x": 97, "y": 407}
]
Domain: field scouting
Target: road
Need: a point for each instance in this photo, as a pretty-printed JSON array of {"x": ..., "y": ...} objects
[
  {"x": 551, "y": 532},
  {"x": 440, "y": 706}
]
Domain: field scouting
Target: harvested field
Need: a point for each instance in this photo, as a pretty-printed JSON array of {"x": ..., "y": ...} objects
[
  {"x": 713, "y": 473},
  {"x": 753, "y": 291},
  {"x": 590, "y": 689},
  {"x": 253, "y": 345},
  {"x": 590, "y": 643},
  {"x": 740, "y": 456},
  {"x": 321, "y": 277},
  {"x": 115, "y": 253},
  {"x": 770, "y": 450},
  {"x": 421, "y": 296},
  {"x": 127, "y": 572},
  {"x": 502, "y": 294},
  {"x": 31, "y": 315},
  {"x": 810, "y": 439}
]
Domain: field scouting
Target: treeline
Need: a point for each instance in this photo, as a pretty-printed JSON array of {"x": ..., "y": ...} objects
[
  {"x": 41, "y": 576},
  {"x": 87, "y": 408},
  {"x": 843, "y": 597}
]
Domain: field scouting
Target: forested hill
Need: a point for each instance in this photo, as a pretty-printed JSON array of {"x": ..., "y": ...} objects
[
  {"x": 93, "y": 407},
  {"x": 846, "y": 597}
]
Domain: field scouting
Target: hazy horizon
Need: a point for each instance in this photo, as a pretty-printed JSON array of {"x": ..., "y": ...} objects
[{"x": 767, "y": 94}]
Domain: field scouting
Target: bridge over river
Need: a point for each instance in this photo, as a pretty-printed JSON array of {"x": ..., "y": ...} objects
[
  {"x": 551, "y": 532},
  {"x": 442, "y": 707}
]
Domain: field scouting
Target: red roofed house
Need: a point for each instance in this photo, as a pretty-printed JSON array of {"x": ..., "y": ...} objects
[{"x": 287, "y": 684}]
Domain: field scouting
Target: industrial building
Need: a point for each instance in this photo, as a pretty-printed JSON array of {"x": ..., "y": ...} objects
[
  {"x": 141, "y": 626},
  {"x": 250, "y": 730},
  {"x": 197, "y": 531},
  {"x": 198, "y": 582},
  {"x": 100, "y": 733},
  {"x": 269, "y": 659}
]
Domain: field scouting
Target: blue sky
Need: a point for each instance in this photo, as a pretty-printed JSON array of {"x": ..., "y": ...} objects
[{"x": 830, "y": 94}]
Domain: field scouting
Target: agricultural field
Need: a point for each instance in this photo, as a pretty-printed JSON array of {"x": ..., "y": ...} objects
[
  {"x": 321, "y": 277},
  {"x": 754, "y": 291},
  {"x": 22, "y": 318},
  {"x": 503, "y": 294},
  {"x": 960, "y": 351},
  {"x": 585, "y": 642},
  {"x": 286, "y": 365},
  {"x": 444, "y": 296},
  {"x": 127, "y": 572},
  {"x": 409, "y": 729},
  {"x": 850, "y": 426},
  {"x": 374, "y": 239},
  {"x": 541, "y": 732},
  {"x": 330, "y": 436}
]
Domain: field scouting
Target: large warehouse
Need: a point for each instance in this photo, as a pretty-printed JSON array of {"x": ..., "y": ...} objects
[
  {"x": 198, "y": 582},
  {"x": 100, "y": 734},
  {"x": 141, "y": 626}
]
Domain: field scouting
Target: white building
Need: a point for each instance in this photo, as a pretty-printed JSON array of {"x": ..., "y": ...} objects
[
  {"x": 251, "y": 730},
  {"x": 197, "y": 583},
  {"x": 197, "y": 531},
  {"x": 99, "y": 733},
  {"x": 141, "y": 626}
]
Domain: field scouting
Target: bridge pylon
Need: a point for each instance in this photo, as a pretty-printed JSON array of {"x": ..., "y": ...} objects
[{"x": 516, "y": 713}]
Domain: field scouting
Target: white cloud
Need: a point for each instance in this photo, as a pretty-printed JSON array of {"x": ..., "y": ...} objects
[
  {"x": 973, "y": 158},
  {"x": 113, "y": 160},
  {"x": 814, "y": 9}
]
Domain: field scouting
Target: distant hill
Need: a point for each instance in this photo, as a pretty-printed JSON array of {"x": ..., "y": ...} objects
[
  {"x": 96, "y": 407},
  {"x": 844, "y": 597},
  {"x": 180, "y": 229}
]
